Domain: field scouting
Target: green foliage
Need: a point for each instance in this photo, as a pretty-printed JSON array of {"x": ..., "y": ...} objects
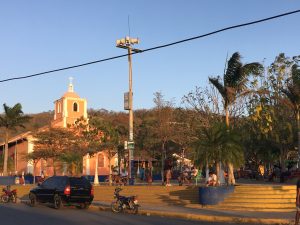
[
  {"x": 12, "y": 118},
  {"x": 272, "y": 123},
  {"x": 10, "y": 163},
  {"x": 66, "y": 146},
  {"x": 235, "y": 78},
  {"x": 218, "y": 144}
]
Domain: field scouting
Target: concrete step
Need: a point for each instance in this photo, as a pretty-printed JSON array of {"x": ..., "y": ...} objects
[
  {"x": 265, "y": 187},
  {"x": 260, "y": 189},
  {"x": 258, "y": 205},
  {"x": 252, "y": 209},
  {"x": 265, "y": 190},
  {"x": 261, "y": 196},
  {"x": 260, "y": 200}
]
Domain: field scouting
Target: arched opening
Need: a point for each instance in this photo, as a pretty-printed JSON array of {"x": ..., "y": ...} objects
[{"x": 75, "y": 107}]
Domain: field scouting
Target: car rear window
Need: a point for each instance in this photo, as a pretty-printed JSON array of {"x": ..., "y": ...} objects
[
  {"x": 55, "y": 182},
  {"x": 79, "y": 181}
]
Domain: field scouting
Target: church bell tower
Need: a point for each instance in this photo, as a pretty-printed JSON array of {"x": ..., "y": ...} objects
[{"x": 69, "y": 108}]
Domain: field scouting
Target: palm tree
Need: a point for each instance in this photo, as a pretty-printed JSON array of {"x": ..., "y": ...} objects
[
  {"x": 10, "y": 120},
  {"x": 234, "y": 86},
  {"x": 208, "y": 147},
  {"x": 293, "y": 94},
  {"x": 218, "y": 144}
]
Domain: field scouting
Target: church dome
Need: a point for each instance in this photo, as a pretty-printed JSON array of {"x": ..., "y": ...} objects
[{"x": 70, "y": 95}]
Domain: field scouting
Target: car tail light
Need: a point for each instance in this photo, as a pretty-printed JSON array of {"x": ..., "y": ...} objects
[
  {"x": 92, "y": 190},
  {"x": 67, "y": 190}
]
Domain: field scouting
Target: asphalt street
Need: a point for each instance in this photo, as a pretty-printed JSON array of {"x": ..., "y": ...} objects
[{"x": 22, "y": 214}]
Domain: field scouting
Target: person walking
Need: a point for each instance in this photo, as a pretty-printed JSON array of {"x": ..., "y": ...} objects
[
  {"x": 23, "y": 178},
  {"x": 168, "y": 177},
  {"x": 297, "y": 203}
]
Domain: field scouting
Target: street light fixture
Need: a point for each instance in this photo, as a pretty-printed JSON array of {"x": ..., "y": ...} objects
[{"x": 127, "y": 43}]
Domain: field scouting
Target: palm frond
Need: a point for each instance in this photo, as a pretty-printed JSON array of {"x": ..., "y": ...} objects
[
  {"x": 296, "y": 75},
  {"x": 253, "y": 68},
  {"x": 231, "y": 77},
  {"x": 220, "y": 87}
]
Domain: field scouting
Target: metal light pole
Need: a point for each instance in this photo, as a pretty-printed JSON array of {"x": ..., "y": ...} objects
[{"x": 127, "y": 43}]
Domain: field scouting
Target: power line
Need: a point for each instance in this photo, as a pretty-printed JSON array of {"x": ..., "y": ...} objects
[{"x": 154, "y": 48}]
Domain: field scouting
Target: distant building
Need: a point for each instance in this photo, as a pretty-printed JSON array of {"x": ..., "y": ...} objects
[{"x": 68, "y": 109}]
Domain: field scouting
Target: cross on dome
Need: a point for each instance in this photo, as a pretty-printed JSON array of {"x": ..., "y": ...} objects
[{"x": 71, "y": 88}]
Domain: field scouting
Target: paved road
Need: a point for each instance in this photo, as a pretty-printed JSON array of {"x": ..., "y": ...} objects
[{"x": 21, "y": 214}]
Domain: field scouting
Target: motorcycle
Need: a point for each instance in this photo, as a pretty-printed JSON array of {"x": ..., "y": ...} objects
[
  {"x": 8, "y": 195},
  {"x": 122, "y": 202}
]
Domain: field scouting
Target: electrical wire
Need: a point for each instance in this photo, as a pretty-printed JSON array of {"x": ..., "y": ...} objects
[{"x": 154, "y": 48}]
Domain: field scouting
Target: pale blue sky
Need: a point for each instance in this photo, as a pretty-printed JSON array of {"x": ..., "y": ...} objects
[{"x": 37, "y": 36}]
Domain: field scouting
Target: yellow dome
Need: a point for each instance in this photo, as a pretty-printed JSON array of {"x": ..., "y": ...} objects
[{"x": 70, "y": 95}]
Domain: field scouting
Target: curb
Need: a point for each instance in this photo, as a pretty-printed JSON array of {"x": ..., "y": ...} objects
[
  {"x": 207, "y": 218},
  {"x": 198, "y": 217}
]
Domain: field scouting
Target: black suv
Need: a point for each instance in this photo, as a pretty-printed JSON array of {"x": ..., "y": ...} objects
[{"x": 63, "y": 190}]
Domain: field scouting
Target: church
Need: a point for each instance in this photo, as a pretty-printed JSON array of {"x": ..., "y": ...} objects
[{"x": 67, "y": 110}]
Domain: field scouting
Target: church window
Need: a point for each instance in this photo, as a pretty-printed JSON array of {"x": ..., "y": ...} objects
[{"x": 75, "y": 107}]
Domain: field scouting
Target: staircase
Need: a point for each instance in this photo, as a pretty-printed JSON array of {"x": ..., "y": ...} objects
[{"x": 260, "y": 198}]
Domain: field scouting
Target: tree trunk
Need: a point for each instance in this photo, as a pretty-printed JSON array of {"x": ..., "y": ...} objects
[
  {"x": 162, "y": 163},
  {"x": 218, "y": 171},
  {"x": 73, "y": 169},
  {"x": 34, "y": 166},
  {"x": 282, "y": 158},
  {"x": 298, "y": 130},
  {"x": 109, "y": 165},
  {"x": 206, "y": 172},
  {"x": 231, "y": 179},
  {"x": 54, "y": 167},
  {"x": 227, "y": 117},
  {"x": 5, "y": 153},
  {"x": 221, "y": 178}
]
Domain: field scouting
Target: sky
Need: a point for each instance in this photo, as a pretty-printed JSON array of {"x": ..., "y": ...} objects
[{"x": 38, "y": 36}]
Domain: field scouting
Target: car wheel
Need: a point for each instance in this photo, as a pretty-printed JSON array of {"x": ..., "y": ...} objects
[
  {"x": 135, "y": 209},
  {"x": 4, "y": 198},
  {"x": 83, "y": 206},
  {"x": 32, "y": 199},
  {"x": 57, "y": 201}
]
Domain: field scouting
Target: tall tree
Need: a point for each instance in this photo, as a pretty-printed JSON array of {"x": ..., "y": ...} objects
[
  {"x": 293, "y": 95},
  {"x": 234, "y": 85},
  {"x": 163, "y": 127},
  {"x": 110, "y": 140},
  {"x": 218, "y": 144},
  {"x": 275, "y": 121},
  {"x": 53, "y": 144},
  {"x": 12, "y": 118},
  {"x": 66, "y": 146}
]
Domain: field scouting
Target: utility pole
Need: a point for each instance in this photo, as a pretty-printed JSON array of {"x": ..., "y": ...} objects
[{"x": 127, "y": 43}]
